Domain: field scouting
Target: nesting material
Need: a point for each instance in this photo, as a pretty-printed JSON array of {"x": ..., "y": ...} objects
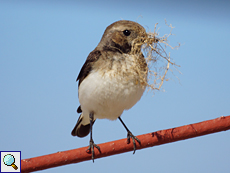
[{"x": 159, "y": 63}]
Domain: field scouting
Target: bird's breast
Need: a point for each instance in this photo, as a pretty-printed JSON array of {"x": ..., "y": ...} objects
[{"x": 112, "y": 86}]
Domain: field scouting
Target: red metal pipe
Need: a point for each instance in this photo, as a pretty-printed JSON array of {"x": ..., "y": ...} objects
[{"x": 121, "y": 146}]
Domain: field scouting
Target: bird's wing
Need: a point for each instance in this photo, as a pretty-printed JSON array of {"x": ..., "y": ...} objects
[{"x": 87, "y": 67}]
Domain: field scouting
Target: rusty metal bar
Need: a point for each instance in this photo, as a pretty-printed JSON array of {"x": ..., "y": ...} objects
[{"x": 120, "y": 146}]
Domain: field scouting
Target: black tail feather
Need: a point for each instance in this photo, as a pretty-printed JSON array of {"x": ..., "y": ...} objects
[{"x": 81, "y": 130}]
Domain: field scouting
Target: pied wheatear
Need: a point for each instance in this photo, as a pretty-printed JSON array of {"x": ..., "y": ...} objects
[{"x": 112, "y": 79}]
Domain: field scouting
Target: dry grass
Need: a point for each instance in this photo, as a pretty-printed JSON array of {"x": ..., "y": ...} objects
[{"x": 159, "y": 63}]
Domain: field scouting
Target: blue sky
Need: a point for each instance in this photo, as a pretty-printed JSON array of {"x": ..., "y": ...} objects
[{"x": 43, "y": 46}]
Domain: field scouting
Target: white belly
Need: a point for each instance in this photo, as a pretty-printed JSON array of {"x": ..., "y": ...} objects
[{"x": 108, "y": 95}]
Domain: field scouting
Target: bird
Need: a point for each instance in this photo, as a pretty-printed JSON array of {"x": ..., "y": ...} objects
[{"x": 112, "y": 79}]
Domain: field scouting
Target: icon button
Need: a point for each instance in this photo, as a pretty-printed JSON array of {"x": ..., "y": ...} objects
[{"x": 9, "y": 160}]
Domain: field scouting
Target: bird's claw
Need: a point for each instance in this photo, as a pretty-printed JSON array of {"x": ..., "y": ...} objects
[
  {"x": 91, "y": 148},
  {"x": 130, "y": 135}
]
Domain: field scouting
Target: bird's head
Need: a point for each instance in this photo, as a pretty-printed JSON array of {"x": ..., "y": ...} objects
[{"x": 120, "y": 36}]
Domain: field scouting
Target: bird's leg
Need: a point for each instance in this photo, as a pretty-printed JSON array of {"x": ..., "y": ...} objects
[
  {"x": 130, "y": 135},
  {"x": 91, "y": 142}
]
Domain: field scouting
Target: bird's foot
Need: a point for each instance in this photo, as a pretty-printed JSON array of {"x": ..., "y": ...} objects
[
  {"x": 130, "y": 135},
  {"x": 91, "y": 148}
]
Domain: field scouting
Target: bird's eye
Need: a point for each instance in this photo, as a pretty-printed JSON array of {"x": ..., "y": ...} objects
[{"x": 126, "y": 32}]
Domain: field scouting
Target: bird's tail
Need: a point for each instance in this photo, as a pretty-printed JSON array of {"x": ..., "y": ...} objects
[{"x": 82, "y": 128}]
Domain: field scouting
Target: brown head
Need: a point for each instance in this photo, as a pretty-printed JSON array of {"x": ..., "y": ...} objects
[{"x": 120, "y": 35}]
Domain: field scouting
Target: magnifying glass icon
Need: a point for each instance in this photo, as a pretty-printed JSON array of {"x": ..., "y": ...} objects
[{"x": 9, "y": 160}]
